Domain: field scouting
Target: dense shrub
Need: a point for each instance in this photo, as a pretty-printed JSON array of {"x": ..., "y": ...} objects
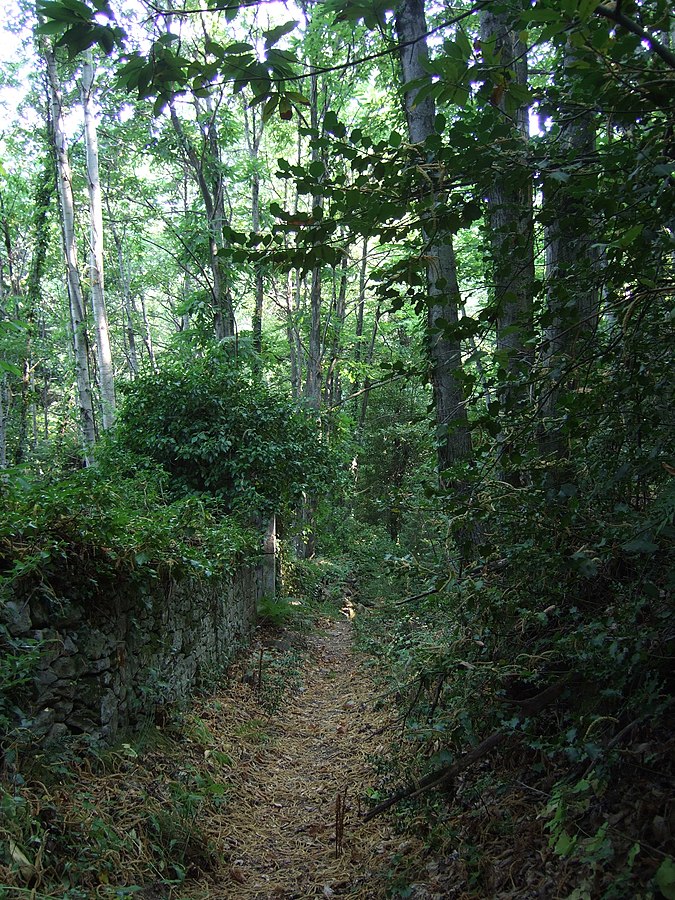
[{"x": 218, "y": 430}]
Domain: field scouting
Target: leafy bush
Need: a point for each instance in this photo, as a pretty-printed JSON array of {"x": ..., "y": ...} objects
[{"x": 218, "y": 430}]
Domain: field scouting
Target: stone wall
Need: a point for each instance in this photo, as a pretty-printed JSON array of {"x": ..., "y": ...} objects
[{"x": 114, "y": 666}]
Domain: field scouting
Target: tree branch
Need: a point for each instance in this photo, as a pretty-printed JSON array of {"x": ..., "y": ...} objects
[
  {"x": 614, "y": 14},
  {"x": 439, "y": 776}
]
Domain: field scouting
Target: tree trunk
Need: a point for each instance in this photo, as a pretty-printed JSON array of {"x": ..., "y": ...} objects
[
  {"x": 103, "y": 351},
  {"x": 572, "y": 274},
  {"x": 127, "y": 299},
  {"x": 313, "y": 382},
  {"x": 254, "y": 133},
  {"x": 511, "y": 225},
  {"x": 4, "y": 415},
  {"x": 211, "y": 190},
  {"x": 332, "y": 386},
  {"x": 509, "y": 208},
  {"x": 453, "y": 439},
  {"x": 75, "y": 296}
]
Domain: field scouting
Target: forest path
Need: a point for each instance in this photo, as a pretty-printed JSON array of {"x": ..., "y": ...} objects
[{"x": 290, "y": 771}]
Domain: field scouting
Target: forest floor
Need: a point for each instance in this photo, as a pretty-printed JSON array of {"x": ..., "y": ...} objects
[{"x": 292, "y": 826}]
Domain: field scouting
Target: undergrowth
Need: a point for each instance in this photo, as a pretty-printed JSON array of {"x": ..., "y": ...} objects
[
  {"x": 79, "y": 820},
  {"x": 586, "y": 773}
]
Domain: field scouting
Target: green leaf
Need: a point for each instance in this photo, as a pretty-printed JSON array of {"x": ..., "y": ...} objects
[
  {"x": 275, "y": 34},
  {"x": 237, "y": 49},
  {"x": 585, "y": 9},
  {"x": 629, "y": 236},
  {"x": 269, "y": 108},
  {"x": 665, "y": 878},
  {"x": 8, "y": 367},
  {"x": 565, "y": 844},
  {"x": 641, "y": 544}
]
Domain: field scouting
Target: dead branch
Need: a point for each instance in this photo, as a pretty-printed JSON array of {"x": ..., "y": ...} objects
[{"x": 439, "y": 776}]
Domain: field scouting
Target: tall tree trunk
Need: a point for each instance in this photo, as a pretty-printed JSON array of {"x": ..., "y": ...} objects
[
  {"x": 75, "y": 296},
  {"x": 17, "y": 293},
  {"x": 572, "y": 273},
  {"x": 360, "y": 309},
  {"x": 509, "y": 207},
  {"x": 4, "y": 384},
  {"x": 510, "y": 219},
  {"x": 127, "y": 299},
  {"x": 292, "y": 337},
  {"x": 4, "y": 416},
  {"x": 211, "y": 190},
  {"x": 367, "y": 383},
  {"x": 254, "y": 132},
  {"x": 313, "y": 382},
  {"x": 453, "y": 438},
  {"x": 147, "y": 335},
  {"x": 332, "y": 386},
  {"x": 102, "y": 332}
]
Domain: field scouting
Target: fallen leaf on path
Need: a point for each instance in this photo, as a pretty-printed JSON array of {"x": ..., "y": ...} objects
[{"x": 238, "y": 876}]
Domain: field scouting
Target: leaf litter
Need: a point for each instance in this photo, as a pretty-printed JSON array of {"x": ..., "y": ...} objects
[{"x": 292, "y": 825}]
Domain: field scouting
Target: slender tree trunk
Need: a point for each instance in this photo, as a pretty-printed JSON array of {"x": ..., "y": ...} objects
[
  {"x": 4, "y": 385},
  {"x": 254, "y": 133},
  {"x": 365, "y": 397},
  {"x": 127, "y": 299},
  {"x": 4, "y": 415},
  {"x": 103, "y": 351},
  {"x": 332, "y": 386},
  {"x": 453, "y": 436},
  {"x": 212, "y": 195},
  {"x": 17, "y": 293},
  {"x": 511, "y": 225},
  {"x": 509, "y": 207},
  {"x": 65, "y": 189},
  {"x": 291, "y": 336},
  {"x": 147, "y": 335},
  {"x": 313, "y": 382},
  {"x": 572, "y": 275}
]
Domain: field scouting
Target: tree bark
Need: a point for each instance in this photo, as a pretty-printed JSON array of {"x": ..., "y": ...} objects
[
  {"x": 313, "y": 382},
  {"x": 572, "y": 273},
  {"x": 254, "y": 132},
  {"x": 212, "y": 194},
  {"x": 453, "y": 439},
  {"x": 75, "y": 296},
  {"x": 509, "y": 208},
  {"x": 103, "y": 351}
]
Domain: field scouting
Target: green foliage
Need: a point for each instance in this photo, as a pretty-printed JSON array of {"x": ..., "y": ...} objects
[
  {"x": 218, "y": 430},
  {"x": 73, "y": 538},
  {"x": 18, "y": 661}
]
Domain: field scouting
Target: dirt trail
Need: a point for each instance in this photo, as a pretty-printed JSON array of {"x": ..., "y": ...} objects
[{"x": 280, "y": 831}]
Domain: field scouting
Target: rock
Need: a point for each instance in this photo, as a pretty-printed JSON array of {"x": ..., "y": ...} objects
[
  {"x": 57, "y": 732},
  {"x": 81, "y": 722},
  {"x": 96, "y": 666},
  {"x": 62, "y": 709},
  {"x": 98, "y": 645},
  {"x": 16, "y": 615},
  {"x": 44, "y": 679},
  {"x": 66, "y": 666},
  {"x": 43, "y": 722},
  {"x": 108, "y": 708}
]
